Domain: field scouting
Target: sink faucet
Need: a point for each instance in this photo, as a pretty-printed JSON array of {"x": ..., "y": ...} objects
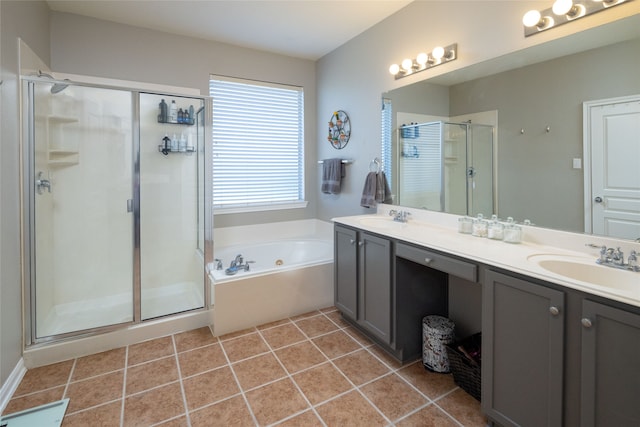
[
  {"x": 615, "y": 258},
  {"x": 400, "y": 216}
]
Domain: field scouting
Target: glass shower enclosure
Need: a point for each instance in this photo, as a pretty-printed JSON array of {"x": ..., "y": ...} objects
[
  {"x": 115, "y": 216},
  {"x": 447, "y": 167}
]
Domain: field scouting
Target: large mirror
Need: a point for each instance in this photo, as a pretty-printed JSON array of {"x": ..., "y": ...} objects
[{"x": 536, "y": 96}]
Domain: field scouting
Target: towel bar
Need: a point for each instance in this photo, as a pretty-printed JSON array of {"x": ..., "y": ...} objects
[{"x": 344, "y": 161}]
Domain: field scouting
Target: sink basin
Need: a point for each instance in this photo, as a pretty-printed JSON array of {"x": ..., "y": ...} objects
[
  {"x": 381, "y": 222},
  {"x": 586, "y": 270}
]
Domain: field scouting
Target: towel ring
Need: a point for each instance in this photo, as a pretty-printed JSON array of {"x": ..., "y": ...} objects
[{"x": 376, "y": 164}]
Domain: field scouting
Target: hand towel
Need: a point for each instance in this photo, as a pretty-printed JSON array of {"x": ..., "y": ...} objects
[
  {"x": 368, "y": 199},
  {"x": 332, "y": 174},
  {"x": 383, "y": 192}
]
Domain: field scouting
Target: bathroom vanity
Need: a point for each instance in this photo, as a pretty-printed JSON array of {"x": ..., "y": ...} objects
[{"x": 556, "y": 350}]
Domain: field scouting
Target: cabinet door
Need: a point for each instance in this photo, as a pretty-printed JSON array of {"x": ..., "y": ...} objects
[
  {"x": 610, "y": 366},
  {"x": 346, "y": 271},
  {"x": 375, "y": 285},
  {"x": 522, "y": 352}
]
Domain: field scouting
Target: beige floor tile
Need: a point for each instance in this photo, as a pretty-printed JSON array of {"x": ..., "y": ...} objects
[
  {"x": 321, "y": 383},
  {"x": 275, "y": 401},
  {"x": 244, "y": 347},
  {"x": 236, "y": 334},
  {"x": 315, "y": 326},
  {"x": 281, "y": 336},
  {"x": 258, "y": 370},
  {"x": 429, "y": 416},
  {"x": 195, "y": 338},
  {"x": 300, "y": 356},
  {"x": 103, "y": 416},
  {"x": 151, "y": 374},
  {"x": 38, "y": 379},
  {"x": 358, "y": 336},
  {"x": 100, "y": 363},
  {"x": 361, "y": 367},
  {"x": 175, "y": 422},
  {"x": 351, "y": 410},
  {"x": 393, "y": 396},
  {"x": 385, "y": 357},
  {"x": 154, "y": 406},
  {"x": 18, "y": 404},
  {"x": 306, "y": 419},
  {"x": 273, "y": 324},
  {"x": 464, "y": 408},
  {"x": 432, "y": 384},
  {"x": 305, "y": 315},
  {"x": 94, "y": 391},
  {"x": 336, "y": 344},
  {"x": 336, "y": 317},
  {"x": 209, "y": 387},
  {"x": 201, "y": 359},
  {"x": 150, "y": 350},
  {"x": 229, "y": 413}
]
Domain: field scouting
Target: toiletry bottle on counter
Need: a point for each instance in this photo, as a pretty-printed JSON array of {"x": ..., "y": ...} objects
[{"x": 173, "y": 112}]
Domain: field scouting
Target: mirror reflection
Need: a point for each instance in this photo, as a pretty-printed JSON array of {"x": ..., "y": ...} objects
[{"x": 539, "y": 169}]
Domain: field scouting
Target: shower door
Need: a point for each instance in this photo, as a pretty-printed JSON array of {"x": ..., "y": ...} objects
[
  {"x": 480, "y": 193},
  {"x": 80, "y": 179}
]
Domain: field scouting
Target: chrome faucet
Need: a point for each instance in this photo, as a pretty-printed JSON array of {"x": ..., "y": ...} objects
[
  {"x": 218, "y": 263},
  {"x": 237, "y": 265},
  {"x": 400, "y": 216},
  {"x": 615, "y": 258}
]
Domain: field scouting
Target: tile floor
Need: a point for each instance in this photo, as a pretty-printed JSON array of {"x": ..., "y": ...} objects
[{"x": 310, "y": 370}]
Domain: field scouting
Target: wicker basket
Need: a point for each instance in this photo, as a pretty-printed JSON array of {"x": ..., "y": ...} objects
[{"x": 466, "y": 373}]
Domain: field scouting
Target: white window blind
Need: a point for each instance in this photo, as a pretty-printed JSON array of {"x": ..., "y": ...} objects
[
  {"x": 258, "y": 144},
  {"x": 387, "y": 114}
]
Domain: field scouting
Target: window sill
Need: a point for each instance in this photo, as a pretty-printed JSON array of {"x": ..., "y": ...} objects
[{"x": 259, "y": 208}]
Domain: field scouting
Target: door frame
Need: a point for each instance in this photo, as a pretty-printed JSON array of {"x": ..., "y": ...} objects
[{"x": 586, "y": 150}]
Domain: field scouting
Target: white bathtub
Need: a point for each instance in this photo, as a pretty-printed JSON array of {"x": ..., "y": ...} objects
[{"x": 290, "y": 273}]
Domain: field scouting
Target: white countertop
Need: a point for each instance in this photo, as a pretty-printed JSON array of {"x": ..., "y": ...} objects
[{"x": 439, "y": 231}]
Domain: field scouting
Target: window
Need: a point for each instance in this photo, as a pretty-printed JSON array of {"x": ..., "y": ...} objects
[
  {"x": 386, "y": 120},
  {"x": 258, "y": 145}
]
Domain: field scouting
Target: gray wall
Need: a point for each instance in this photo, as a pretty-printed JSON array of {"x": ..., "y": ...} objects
[
  {"x": 87, "y": 46},
  {"x": 29, "y": 21},
  {"x": 536, "y": 179}
]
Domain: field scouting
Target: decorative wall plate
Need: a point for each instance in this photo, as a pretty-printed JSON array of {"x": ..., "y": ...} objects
[{"x": 339, "y": 129}]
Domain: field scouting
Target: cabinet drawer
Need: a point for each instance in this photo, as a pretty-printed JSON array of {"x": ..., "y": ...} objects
[{"x": 465, "y": 270}]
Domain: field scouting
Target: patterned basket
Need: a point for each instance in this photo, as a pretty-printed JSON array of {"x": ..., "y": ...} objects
[{"x": 466, "y": 373}]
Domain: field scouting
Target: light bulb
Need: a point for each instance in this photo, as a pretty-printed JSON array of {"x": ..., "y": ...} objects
[
  {"x": 422, "y": 58},
  {"x": 531, "y": 18},
  {"x": 562, "y": 7},
  {"x": 394, "y": 69},
  {"x": 438, "y": 53},
  {"x": 407, "y": 64}
]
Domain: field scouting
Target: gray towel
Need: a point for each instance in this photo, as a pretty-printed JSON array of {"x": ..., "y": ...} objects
[
  {"x": 368, "y": 199},
  {"x": 332, "y": 174},
  {"x": 383, "y": 192}
]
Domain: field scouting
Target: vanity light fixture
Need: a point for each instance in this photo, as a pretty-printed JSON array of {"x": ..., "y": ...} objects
[
  {"x": 423, "y": 61},
  {"x": 563, "y": 11}
]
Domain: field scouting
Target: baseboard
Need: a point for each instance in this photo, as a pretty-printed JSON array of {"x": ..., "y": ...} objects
[{"x": 11, "y": 384}]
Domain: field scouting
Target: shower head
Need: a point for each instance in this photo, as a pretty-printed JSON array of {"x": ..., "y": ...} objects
[{"x": 57, "y": 87}]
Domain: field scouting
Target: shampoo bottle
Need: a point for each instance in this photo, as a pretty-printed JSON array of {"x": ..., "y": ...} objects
[
  {"x": 174, "y": 143},
  {"x": 162, "y": 118},
  {"x": 173, "y": 112}
]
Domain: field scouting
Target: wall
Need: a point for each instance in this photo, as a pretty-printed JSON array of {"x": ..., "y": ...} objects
[
  {"x": 354, "y": 76},
  {"x": 29, "y": 21},
  {"x": 131, "y": 53}
]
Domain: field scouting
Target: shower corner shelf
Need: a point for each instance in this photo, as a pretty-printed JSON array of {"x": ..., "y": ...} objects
[{"x": 57, "y": 153}]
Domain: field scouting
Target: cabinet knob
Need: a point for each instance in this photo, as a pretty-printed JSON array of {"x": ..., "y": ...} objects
[
  {"x": 586, "y": 322},
  {"x": 360, "y": 243},
  {"x": 352, "y": 241},
  {"x": 554, "y": 310},
  {"x": 428, "y": 260}
]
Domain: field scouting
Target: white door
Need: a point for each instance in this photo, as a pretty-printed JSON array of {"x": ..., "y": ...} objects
[{"x": 612, "y": 153}]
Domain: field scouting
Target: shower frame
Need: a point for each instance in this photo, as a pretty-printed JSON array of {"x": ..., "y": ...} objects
[{"x": 28, "y": 190}]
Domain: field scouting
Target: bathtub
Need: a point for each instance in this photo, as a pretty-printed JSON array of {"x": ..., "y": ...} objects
[{"x": 290, "y": 273}]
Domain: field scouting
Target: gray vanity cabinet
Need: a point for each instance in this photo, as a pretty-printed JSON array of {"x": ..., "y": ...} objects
[
  {"x": 363, "y": 280},
  {"x": 610, "y": 366},
  {"x": 522, "y": 352}
]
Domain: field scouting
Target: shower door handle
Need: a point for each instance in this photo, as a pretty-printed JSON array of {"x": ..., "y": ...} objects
[
  {"x": 129, "y": 205},
  {"x": 41, "y": 184}
]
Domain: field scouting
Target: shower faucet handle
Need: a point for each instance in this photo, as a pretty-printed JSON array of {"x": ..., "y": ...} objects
[{"x": 42, "y": 183}]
